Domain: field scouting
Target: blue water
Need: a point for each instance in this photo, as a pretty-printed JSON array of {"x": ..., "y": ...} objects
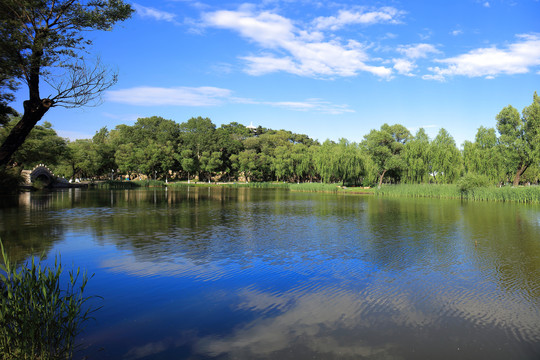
[{"x": 271, "y": 274}]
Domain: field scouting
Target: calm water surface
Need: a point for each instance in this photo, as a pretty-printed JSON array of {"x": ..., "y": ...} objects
[{"x": 270, "y": 274}]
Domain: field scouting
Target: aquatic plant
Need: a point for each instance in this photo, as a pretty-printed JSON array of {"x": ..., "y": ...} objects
[
  {"x": 526, "y": 194},
  {"x": 315, "y": 187},
  {"x": 38, "y": 318}
]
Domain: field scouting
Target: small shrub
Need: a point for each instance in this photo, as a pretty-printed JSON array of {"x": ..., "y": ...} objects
[
  {"x": 38, "y": 319},
  {"x": 472, "y": 181}
]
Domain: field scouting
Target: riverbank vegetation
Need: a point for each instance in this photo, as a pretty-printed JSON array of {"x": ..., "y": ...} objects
[
  {"x": 165, "y": 151},
  {"x": 39, "y": 317}
]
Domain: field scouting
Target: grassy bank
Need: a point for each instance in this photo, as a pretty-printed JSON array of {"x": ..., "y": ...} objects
[
  {"x": 305, "y": 187},
  {"x": 133, "y": 184},
  {"x": 529, "y": 194}
]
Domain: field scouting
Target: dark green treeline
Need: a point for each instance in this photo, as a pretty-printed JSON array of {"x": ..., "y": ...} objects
[{"x": 197, "y": 149}]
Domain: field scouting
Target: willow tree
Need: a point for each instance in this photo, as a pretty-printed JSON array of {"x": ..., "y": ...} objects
[
  {"x": 520, "y": 136},
  {"x": 385, "y": 147},
  {"x": 445, "y": 158},
  {"x": 42, "y": 43}
]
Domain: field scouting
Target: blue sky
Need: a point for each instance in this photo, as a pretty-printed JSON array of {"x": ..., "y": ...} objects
[{"x": 328, "y": 69}]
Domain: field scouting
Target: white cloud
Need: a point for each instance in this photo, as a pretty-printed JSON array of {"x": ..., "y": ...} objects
[
  {"x": 212, "y": 96},
  {"x": 486, "y": 4},
  {"x": 154, "y": 13},
  {"x": 293, "y": 50},
  {"x": 346, "y": 17},
  {"x": 404, "y": 67},
  {"x": 317, "y": 105},
  {"x": 176, "y": 96},
  {"x": 456, "y": 32},
  {"x": 417, "y": 51},
  {"x": 516, "y": 58}
]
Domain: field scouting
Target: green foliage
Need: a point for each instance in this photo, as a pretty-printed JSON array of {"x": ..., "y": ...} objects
[
  {"x": 385, "y": 147},
  {"x": 445, "y": 158},
  {"x": 38, "y": 318},
  {"x": 315, "y": 187},
  {"x": 42, "y": 41},
  {"x": 520, "y": 137},
  {"x": 42, "y": 146},
  {"x": 470, "y": 182},
  {"x": 10, "y": 179},
  {"x": 417, "y": 158}
]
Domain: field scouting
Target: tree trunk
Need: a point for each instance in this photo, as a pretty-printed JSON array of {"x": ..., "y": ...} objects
[
  {"x": 33, "y": 112},
  {"x": 381, "y": 178},
  {"x": 519, "y": 172}
]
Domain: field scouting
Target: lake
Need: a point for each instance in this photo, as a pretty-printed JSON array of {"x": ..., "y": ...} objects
[{"x": 215, "y": 273}]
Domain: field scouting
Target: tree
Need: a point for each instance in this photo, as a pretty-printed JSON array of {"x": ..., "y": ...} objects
[
  {"x": 484, "y": 156},
  {"x": 43, "y": 146},
  {"x": 416, "y": 156},
  {"x": 350, "y": 162},
  {"x": 198, "y": 135},
  {"x": 324, "y": 159},
  {"x": 445, "y": 158},
  {"x": 520, "y": 137},
  {"x": 43, "y": 40},
  {"x": 385, "y": 147},
  {"x": 230, "y": 139}
]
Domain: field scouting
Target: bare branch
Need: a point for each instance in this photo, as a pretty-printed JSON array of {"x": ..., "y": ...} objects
[{"x": 81, "y": 85}]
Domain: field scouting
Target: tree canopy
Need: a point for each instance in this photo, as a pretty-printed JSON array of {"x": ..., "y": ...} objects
[
  {"x": 155, "y": 147},
  {"x": 42, "y": 41}
]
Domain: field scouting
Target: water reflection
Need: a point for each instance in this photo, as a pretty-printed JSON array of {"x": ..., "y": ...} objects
[{"x": 243, "y": 273}]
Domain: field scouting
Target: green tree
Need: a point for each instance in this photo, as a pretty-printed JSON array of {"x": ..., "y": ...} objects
[
  {"x": 230, "y": 139},
  {"x": 198, "y": 135},
  {"x": 83, "y": 159},
  {"x": 350, "y": 162},
  {"x": 43, "y": 146},
  {"x": 43, "y": 40},
  {"x": 445, "y": 158},
  {"x": 484, "y": 156},
  {"x": 188, "y": 162},
  {"x": 520, "y": 137},
  {"x": 211, "y": 163},
  {"x": 325, "y": 161},
  {"x": 416, "y": 156},
  {"x": 282, "y": 162},
  {"x": 385, "y": 147}
]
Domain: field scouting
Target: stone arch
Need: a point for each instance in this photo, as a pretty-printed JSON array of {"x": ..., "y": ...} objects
[{"x": 43, "y": 174}]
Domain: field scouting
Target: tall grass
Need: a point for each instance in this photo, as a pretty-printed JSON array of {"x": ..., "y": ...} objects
[
  {"x": 118, "y": 184},
  {"x": 529, "y": 194},
  {"x": 148, "y": 183},
  {"x": 315, "y": 187},
  {"x": 420, "y": 190},
  {"x": 260, "y": 185},
  {"x": 39, "y": 319}
]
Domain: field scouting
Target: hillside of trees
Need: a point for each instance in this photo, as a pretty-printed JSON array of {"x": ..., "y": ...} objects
[{"x": 158, "y": 148}]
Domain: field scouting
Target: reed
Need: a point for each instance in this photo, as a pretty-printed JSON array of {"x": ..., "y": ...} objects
[
  {"x": 39, "y": 319},
  {"x": 147, "y": 183},
  {"x": 315, "y": 187},
  {"x": 260, "y": 185},
  {"x": 420, "y": 190},
  {"x": 528, "y": 194},
  {"x": 118, "y": 184}
]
